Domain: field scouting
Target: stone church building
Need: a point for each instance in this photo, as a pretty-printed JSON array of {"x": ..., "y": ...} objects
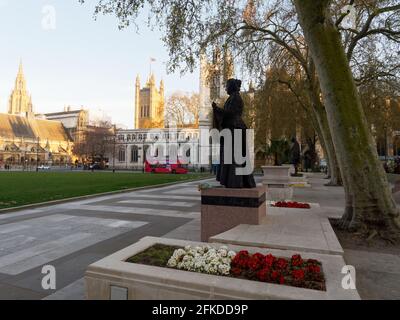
[{"x": 26, "y": 140}]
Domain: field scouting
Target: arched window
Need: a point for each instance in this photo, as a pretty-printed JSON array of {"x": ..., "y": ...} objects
[
  {"x": 134, "y": 154},
  {"x": 121, "y": 155}
]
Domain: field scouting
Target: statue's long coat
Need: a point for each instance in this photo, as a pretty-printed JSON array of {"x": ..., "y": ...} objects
[{"x": 230, "y": 117}]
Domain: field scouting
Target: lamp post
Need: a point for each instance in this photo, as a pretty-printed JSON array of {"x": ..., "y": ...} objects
[
  {"x": 114, "y": 147},
  {"x": 37, "y": 155},
  {"x": 126, "y": 156}
]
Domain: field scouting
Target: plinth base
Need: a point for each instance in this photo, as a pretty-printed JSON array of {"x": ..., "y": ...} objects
[{"x": 223, "y": 209}]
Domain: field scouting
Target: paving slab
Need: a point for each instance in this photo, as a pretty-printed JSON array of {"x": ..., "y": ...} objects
[{"x": 74, "y": 291}]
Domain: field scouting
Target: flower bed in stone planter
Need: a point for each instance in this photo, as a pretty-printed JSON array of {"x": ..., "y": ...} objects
[
  {"x": 113, "y": 277},
  {"x": 294, "y": 271},
  {"x": 291, "y": 204}
]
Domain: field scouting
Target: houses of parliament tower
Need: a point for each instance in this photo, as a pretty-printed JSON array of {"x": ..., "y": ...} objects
[{"x": 149, "y": 104}]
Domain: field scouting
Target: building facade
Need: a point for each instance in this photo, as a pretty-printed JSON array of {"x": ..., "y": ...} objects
[
  {"x": 132, "y": 147},
  {"x": 76, "y": 122},
  {"x": 26, "y": 140}
]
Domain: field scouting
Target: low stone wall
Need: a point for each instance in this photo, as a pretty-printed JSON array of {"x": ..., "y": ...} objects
[{"x": 113, "y": 278}]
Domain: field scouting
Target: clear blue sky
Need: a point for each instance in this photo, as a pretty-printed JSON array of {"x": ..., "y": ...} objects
[{"x": 81, "y": 62}]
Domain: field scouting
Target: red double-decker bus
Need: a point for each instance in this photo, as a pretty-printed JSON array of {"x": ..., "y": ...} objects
[{"x": 166, "y": 167}]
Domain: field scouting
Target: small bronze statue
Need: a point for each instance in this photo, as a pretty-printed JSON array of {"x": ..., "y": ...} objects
[{"x": 230, "y": 117}]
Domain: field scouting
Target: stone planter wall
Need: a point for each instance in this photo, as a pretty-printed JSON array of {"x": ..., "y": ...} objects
[
  {"x": 111, "y": 277},
  {"x": 277, "y": 181}
]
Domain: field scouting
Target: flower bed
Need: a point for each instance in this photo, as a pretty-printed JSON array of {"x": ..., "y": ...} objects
[
  {"x": 295, "y": 272},
  {"x": 298, "y": 272},
  {"x": 291, "y": 204}
]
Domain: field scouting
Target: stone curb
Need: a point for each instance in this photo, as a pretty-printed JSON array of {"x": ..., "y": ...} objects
[{"x": 90, "y": 196}]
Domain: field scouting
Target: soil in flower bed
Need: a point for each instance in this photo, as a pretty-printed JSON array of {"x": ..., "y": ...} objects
[
  {"x": 289, "y": 204},
  {"x": 295, "y": 271},
  {"x": 157, "y": 255}
]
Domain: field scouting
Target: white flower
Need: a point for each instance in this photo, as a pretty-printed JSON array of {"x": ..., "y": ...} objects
[
  {"x": 203, "y": 259},
  {"x": 172, "y": 262}
]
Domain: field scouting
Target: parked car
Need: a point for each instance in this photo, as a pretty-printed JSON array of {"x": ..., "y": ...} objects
[
  {"x": 95, "y": 166},
  {"x": 43, "y": 167}
]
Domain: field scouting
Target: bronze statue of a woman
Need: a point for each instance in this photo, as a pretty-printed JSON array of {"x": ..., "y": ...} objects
[{"x": 230, "y": 117}]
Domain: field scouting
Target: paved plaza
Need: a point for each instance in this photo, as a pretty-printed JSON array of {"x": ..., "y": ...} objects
[{"x": 72, "y": 235}]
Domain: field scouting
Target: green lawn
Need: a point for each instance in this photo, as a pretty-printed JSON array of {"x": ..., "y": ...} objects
[{"x": 21, "y": 188}]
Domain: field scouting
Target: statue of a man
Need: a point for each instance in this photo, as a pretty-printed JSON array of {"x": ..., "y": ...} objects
[
  {"x": 295, "y": 155},
  {"x": 230, "y": 117}
]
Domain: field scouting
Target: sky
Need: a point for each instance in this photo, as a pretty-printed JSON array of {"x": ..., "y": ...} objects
[{"x": 71, "y": 59}]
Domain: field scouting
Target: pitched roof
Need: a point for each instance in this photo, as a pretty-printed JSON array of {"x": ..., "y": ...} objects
[{"x": 13, "y": 126}]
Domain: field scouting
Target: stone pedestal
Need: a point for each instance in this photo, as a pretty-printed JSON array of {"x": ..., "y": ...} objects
[
  {"x": 277, "y": 181},
  {"x": 223, "y": 209}
]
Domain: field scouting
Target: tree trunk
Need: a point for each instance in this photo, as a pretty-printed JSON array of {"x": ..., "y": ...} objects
[
  {"x": 327, "y": 146},
  {"x": 320, "y": 114},
  {"x": 373, "y": 209}
]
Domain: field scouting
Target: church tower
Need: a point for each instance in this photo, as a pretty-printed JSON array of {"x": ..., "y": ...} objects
[
  {"x": 20, "y": 102},
  {"x": 149, "y": 104}
]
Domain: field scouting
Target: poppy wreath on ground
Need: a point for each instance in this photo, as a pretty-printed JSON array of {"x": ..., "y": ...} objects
[
  {"x": 290, "y": 204},
  {"x": 296, "y": 271}
]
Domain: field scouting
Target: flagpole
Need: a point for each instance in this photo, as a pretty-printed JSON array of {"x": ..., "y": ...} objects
[{"x": 151, "y": 62}]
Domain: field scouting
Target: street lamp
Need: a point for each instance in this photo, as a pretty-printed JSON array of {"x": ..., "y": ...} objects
[
  {"x": 37, "y": 155},
  {"x": 114, "y": 153}
]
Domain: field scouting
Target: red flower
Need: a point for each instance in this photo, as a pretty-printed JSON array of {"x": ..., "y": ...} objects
[
  {"x": 236, "y": 271},
  {"x": 281, "y": 279},
  {"x": 269, "y": 260},
  {"x": 297, "y": 261},
  {"x": 243, "y": 253},
  {"x": 263, "y": 275},
  {"x": 298, "y": 274},
  {"x": 275, "y": 275},
  {"x": 312, "y": 261},
  {"x": 241, "y": 260},
  {"x": 254, "y": 263},
  {"x": 284, "y": 204},
  {"x": 313, "y": 269},
  {"x": 281, "y": 263},
  {"x": 258, "y": 256}
]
